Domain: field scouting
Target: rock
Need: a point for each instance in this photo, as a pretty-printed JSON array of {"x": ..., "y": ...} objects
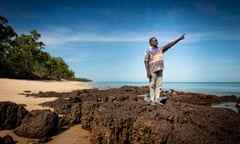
[
  {"x": 75, "y": 114},
  {"x": 88, "y": 109},
  {"x": 69, "y": 108},
  {"x": 116, "y": 124},
  {"x": 11, "y": 115},
  {"x": 1, "y": 140},
  {"x": 44, "y": 139},
  {"x": 150, "y": 131},
  {"x": 38, "y": 124},
  {"x": 120, "y": 115},
  {"x": 7, "y": 140}
]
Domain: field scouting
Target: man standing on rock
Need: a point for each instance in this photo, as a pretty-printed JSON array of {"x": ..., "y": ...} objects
[{"x": 154, "y": 67}]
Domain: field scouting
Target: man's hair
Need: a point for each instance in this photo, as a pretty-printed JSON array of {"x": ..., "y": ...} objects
[{"x": 151, "y": 39}]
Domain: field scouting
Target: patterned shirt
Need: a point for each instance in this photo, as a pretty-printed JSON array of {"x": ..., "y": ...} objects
[{"x": 154, "y": 57}]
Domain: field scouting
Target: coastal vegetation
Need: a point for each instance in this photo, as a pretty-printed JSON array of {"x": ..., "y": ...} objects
[{"x": 23, "y": 56}]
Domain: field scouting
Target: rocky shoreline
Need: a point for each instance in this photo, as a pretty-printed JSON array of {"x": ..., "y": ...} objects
[{"x": 121, "y": 115}]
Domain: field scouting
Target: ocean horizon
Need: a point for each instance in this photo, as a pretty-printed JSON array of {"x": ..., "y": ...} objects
[{"x": 214, "y": 88}]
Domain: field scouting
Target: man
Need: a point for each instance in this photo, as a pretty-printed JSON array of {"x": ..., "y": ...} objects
[{"x": 154, "y": 67}]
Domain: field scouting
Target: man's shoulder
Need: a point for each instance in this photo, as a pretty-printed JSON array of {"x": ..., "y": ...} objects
[
  {"x": 153, "y": 50},
  {"x": 148, "y": 50}
]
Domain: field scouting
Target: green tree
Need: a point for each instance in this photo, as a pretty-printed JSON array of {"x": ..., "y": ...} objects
[
  {"x": 7, "y": 41},
  {"x": 26, "y": 54},
  {"x": 40, "y": 67},
  {"x": 28, "y": 60},
  {"x": 58, "y": 69},
  {"x": 23, "y": 57}
]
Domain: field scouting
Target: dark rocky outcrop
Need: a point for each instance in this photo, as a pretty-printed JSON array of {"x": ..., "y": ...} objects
[
  {"x": 11, "y": 115},
  {"x": 117, "y": 116},
  {"x": 199, "y": 99},
  {"x": 7, "y": 140},
  {"x": 69, "y": 110},
  {"x": 173, "y": 123},
  {"x": 38, "y": 124}
]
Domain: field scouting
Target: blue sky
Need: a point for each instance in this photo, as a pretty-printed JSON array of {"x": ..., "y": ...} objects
[{"x": 105, "y": 40}]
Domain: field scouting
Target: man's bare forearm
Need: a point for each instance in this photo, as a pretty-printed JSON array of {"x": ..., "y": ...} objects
[{"x": 172, "y": 43}]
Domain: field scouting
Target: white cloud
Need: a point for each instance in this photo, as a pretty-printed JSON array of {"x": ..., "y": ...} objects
[
  {"x": 214, "y": 35},
  {"x": 60, "y": 36},
  {"x": 56, "y": 38}
]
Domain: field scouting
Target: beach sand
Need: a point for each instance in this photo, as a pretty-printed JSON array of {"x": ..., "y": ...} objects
[{"x": 12, "y": 90}]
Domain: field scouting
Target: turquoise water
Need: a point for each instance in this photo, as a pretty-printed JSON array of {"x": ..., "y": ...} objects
[{"x": 216, "y": 88}]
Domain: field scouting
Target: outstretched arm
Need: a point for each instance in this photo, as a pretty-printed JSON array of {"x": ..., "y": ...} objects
[{"x": 169, "y": 45}]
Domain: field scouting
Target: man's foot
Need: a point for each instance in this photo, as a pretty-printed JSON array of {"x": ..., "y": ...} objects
[
  {"x": 153, "y": 103},
  {"x": 160, "y": 103}
]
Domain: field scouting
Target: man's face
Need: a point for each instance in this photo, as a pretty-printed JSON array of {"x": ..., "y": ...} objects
[{"x": 154, "y": 42}]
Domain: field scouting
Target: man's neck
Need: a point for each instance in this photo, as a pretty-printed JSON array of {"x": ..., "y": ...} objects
[{"x": 154, "y": 47}]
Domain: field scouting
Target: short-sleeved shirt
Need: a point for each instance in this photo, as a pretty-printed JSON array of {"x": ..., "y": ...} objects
[{"x": 154, "y": 57}]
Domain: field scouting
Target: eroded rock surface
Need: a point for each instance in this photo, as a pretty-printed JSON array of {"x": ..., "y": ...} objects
[
  {"x": 11, "y": 115},
  {"x": 122, "y": 116},
  {"x": 38, "y": 124}
]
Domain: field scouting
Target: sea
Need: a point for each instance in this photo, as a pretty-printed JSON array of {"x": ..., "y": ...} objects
[{"x": 215, "y": 88}]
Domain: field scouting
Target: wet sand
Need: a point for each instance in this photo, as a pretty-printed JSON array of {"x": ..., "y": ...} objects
[
  {"x": 74, "y": 135},
  {"x": 12, "y": 90}
]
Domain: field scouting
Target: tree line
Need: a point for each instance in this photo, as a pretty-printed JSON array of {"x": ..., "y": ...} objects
[{"x": 22, "y": 56}]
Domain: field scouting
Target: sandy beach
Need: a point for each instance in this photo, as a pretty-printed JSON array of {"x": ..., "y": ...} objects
[{"x": 12, "y": 90}]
